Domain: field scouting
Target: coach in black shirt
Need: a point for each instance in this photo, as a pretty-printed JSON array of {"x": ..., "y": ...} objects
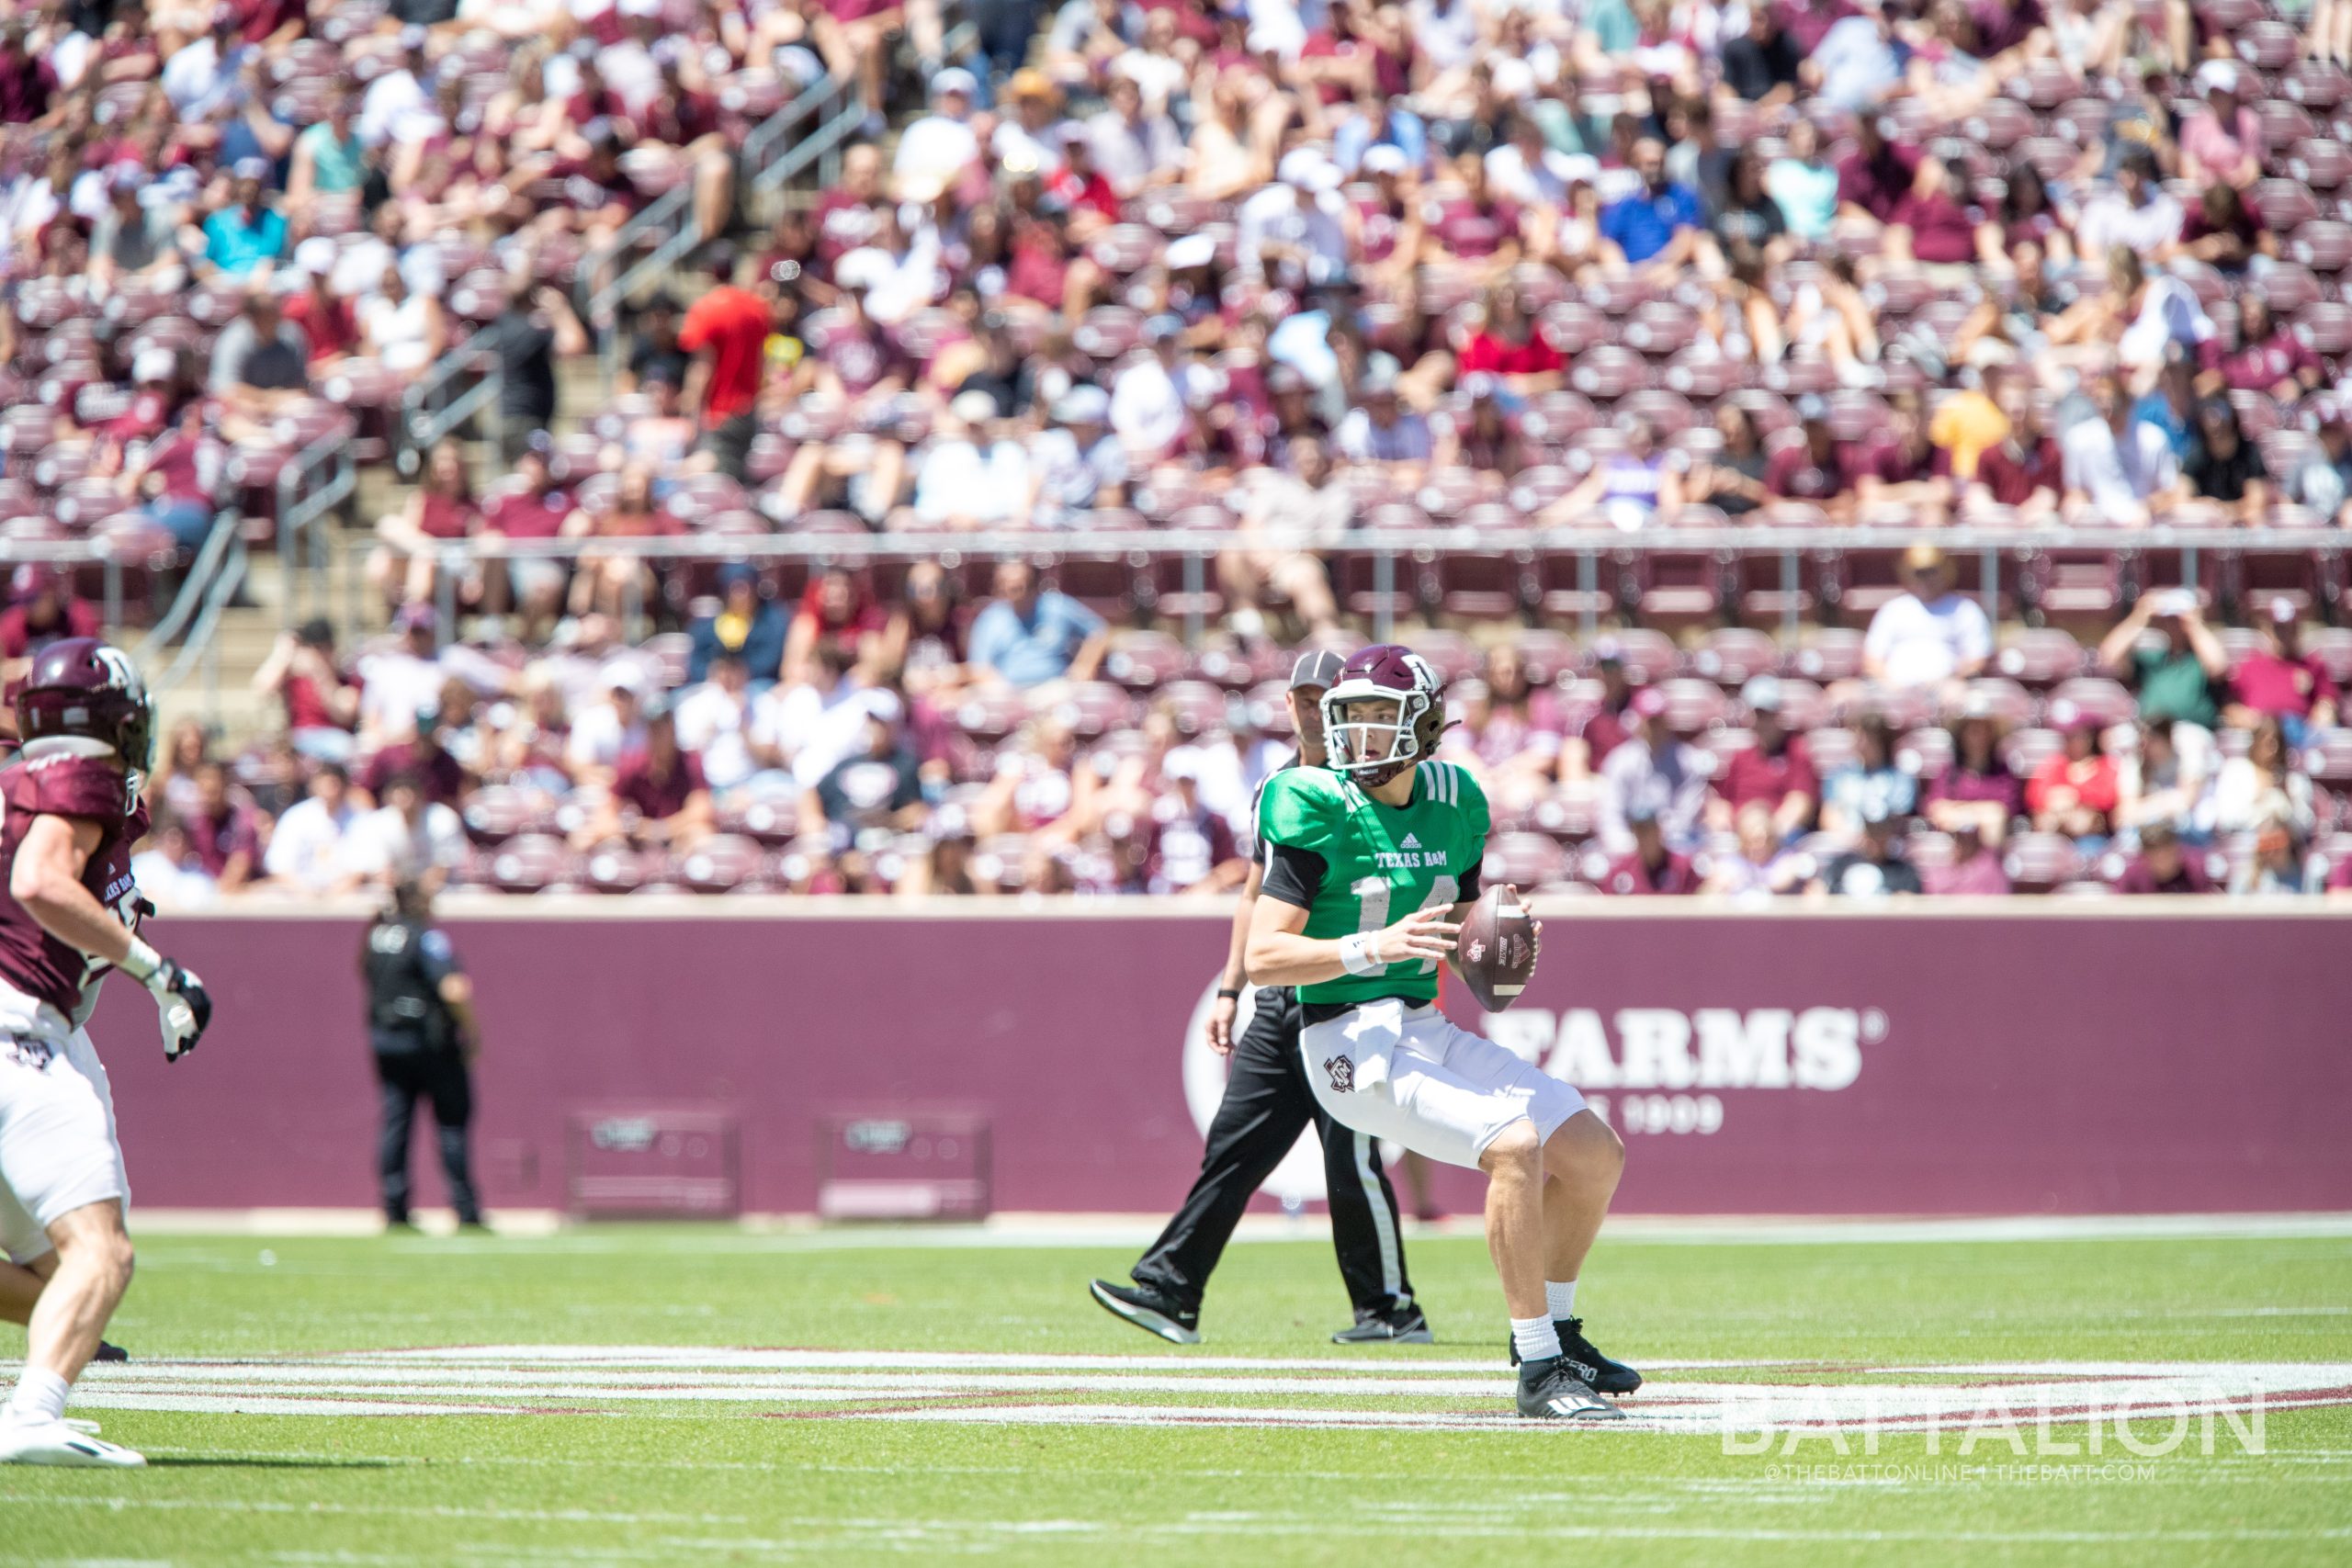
[{"x": 421, "y": 1029}]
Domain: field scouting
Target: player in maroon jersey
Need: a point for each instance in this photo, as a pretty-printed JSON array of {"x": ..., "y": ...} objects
[{"x": 69, "y": 813}]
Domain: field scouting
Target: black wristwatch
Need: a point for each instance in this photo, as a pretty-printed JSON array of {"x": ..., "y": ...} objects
[{"x": 1229, "y": 993}]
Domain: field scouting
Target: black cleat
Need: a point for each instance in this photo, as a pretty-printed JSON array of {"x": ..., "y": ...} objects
[
  {"x": 110, "y": 1353},
  {"x": 1149, "y": 1311},
  {"x": 1603, "y": 1374},
  {"x": 1548, "y": 1391},
  {"x": 1399, "y": 1325}
]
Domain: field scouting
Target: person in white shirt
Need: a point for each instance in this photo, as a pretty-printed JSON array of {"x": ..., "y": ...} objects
[
  {"x": 602, "y": 732},
  {"x": 939, "y": 146},
  {"x": 975, "y": 476},
  {"x": 1147, "y": 400},
  {"x": 2118, "y": 470},
  {"x": 1928, "y": 634},
  {"x": 306, "y": 848},
  {"x": 396, "y": 108},
  {"x": 2137, "y": 215},
  {"x": 405, "y": 840},
  {"x": 715, "y": 722},
  {"x": 1299, "y": 213},
  {"x": 399, "y": 685}
]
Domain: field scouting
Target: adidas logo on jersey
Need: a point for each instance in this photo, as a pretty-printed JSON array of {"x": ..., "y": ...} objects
[{"x": 1411, "y": 842}]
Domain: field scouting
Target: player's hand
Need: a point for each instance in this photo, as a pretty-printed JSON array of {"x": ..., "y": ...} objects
[
  {"x": 1424, "y": 933},
  {"x": 183, "y": 1006},
  {"x": 1534, "y": 926},
  {"x": 1220, "y": 1029}
]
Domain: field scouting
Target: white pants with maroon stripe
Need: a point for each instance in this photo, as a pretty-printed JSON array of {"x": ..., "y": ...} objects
[
  {"x": 58, "y": 1147},
  {"x": 1411, "y": 1074}
]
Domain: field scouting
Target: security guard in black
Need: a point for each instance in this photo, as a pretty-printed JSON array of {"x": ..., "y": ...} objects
[{"x": 421, "y": 1028}]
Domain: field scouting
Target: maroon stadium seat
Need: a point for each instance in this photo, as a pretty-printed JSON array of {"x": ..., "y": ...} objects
[
  {"x": 2039, "y": 861},
  {"x": 719, "y": 863},
  {"x": 529, "y": 864},
  {"x": 1730, "y": 655}
]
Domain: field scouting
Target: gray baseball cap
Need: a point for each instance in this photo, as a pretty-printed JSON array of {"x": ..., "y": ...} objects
[{"x": 1317, "y": 667}]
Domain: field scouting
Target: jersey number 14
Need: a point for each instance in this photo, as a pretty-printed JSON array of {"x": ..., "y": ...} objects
[{"x": 1371, "y": 907}]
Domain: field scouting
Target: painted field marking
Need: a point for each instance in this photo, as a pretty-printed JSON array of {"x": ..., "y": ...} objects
[{"x": 1381, "y": 1393}]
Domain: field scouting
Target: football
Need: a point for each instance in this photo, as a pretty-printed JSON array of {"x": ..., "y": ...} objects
[{"x": 1495, "y": 952}]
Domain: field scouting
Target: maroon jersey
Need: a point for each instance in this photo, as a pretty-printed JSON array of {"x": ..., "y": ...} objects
[{"x": 31, "y": 960}]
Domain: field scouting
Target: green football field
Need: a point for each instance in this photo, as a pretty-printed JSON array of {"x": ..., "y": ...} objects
[{"x": 675, "y": 1395}]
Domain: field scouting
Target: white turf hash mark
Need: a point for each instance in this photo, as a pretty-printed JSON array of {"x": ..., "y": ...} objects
[{"x": 1400, "y": 1394}]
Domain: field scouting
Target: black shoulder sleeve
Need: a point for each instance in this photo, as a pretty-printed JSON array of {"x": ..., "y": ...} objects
[
  {"x": 1471, "y": 886},
  {"x": 1293, "y": 876}
]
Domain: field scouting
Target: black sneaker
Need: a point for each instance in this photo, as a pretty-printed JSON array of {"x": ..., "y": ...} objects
[
  {"x": 1399, "y": 1325},
  {"x": 1149, "y": 1311},
  {"x": 110, "y": 1353},
  {"x": 1608, "y": 1376},
  {"x": 1548, "y": 1391}
]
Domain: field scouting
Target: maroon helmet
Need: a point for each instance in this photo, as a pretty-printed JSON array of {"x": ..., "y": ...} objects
[
  {"x": 1372, "y": 750},
  {"x": 89, "y": 690}
]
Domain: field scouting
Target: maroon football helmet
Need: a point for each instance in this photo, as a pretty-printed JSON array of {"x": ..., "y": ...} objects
[
  {"x": 90, "y": 690},
  {"x": 1372, "y": 750}
]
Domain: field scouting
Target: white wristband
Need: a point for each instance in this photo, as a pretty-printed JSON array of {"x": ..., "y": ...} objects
[
  {"x": 142, "y": 962},
  {"x": 1355, "y": 954}
]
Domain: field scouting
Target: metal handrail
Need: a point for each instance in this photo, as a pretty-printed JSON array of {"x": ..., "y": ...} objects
[
  {"x": 200, "y": 644},
  {"x": 200, "y": 572},
  {"x": 304, "y": 497},
  {"x": 759, "y": 152},
  {"x": 421, "y": 423},
  {"x": 596, "y": 300}
]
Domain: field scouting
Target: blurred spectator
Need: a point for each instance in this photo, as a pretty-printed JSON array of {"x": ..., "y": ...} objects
[
  {"x": 1732, "y": 481},
  {"x": 605, "y": 730},
  {"x": 1775, "y": 774},
  {"x": 2223, "y": 142},
  {"x": 398, "y": 683},
  {"x": 404, "y": 840},
  {"x": 2025, "y": 470},
  {"x": 2075, "y": 791},
  {"x": 2136, "y": 215},
  {"x": 1184, "y": 846},
  {"x": 1869, "y": 785},
  {"x": 838, "y": 607},
  {"x": 532, "y": 331},
  {"x": 305, "y": 850},
  {"x": 1148, "y": 399},
  {"x": 424, "y": 758},
  {"x": 224, "y": 834},
  {"x": 441, "y": 509},
  {"x": 1292, "y": 519},
  {"x": 718, "y": 722},
  {"x": 260, "y": 364},
  {"x": 1931, "y": 634},
  {"x": 247, "y": 233},
  {"x": 1076, "y": 464},
  {"x": 2277, "y": 864},
  {"x": 1820, "y": 469},
  {"x": 403, "y": 327},
  {"x": 321, "y": 706},
  {"x": 973, "y": 474},
  {"x": 1028, "y": 636},
  {"x": 1511, "y": 730},
  {"x": 877, "y": 785},
  {"x": 2278, "y": 680},
  {"x": 134, "y": 239},
  {"x": 619, "y": 582},
  {"x": 1630, "y": 489},
  {"x": 1973, "y": 872},
  {"x": 2182, "y": 678},
  {"x": 2120, "y": 470},
  {"x": 2164, "y": 776},
  {"x": 165, "y": 867},
  {"x": 725, "y": 330},
  {"x": 1649, "y": 867},
  {"x": 1510, "y": 344},
  {"x": 1976, "y": 791},
  {"x": 42, "y": 609},
  {"x": 2227, "y": 467},
  {"x": 1656, "y": 770},
  {"x": 659, "y": 795},
  {"x": 746, "y": 625},
  {"x": 327, "y": 321},
  {"x": 2267, "y": 357},
  {"x": 937, "y": 148},
  {"x": 2324, "y": 481},
  {"x": 1875, "y": 867},
  {"x": 1804, "y": 184},
  {"x": 2163, "y": 865},
  {"x": 2260, "y": 785},
  {"x": 1759, "y": 865},
  {"x": 529, "y": 506},
  {"x": 1661, "y": 227}
]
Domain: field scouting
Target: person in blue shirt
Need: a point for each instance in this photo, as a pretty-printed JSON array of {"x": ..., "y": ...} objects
[
  {"x": 1026, "y": 637},
  {"x": 246, "y": 232},
  {"x": 1659, "y": 226}
]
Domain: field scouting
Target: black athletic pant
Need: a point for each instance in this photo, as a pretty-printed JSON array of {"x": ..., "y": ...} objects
[
  {"x": 1266, "y": 1106},
  {"x": 440, "y": 1077}
]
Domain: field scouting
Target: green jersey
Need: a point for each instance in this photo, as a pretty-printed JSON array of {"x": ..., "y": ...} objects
[{"x": 1355, "y": 864}]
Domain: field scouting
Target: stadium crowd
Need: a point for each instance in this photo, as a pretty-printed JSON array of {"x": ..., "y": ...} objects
[{"x": 1276, "y": 271}]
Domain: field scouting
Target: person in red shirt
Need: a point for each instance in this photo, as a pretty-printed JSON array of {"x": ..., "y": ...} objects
[
  {"x": 222, "y": 830},
  {"x": 441, "y": 509},
  {"x": 1776, "y": 773},
  {"x": 726, "y": 332},
  {"x": 326, "y": 317},
  {"x": 321, "y": 706},
  {"x": 532, "y": 506},
  {"x": 2267, "y": 357},
  {"x": 2075, "y": 792},
  {"x": 1822, "y": 469},
  {"x": 2026, "y": 468},
  {"x": 838, "y": 607},
  {"x": 1510, "y": 344},
  {"x": 2163, "y": 865},
  {"x": 2279, "y": 681},
  {"x": 1478, "y": 226},
  {"x": 1934, "y": 222},
  {"x": 619, "y": 583},
  {"x": 662, "y": 784},
  {"x": 1649, "y": 867},
  {"x": 45, "y": 610}
]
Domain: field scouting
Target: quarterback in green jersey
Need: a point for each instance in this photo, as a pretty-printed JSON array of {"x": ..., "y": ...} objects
[{"x": 1370, "y": 862}]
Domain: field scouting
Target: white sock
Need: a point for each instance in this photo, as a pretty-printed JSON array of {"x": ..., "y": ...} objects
[
  {"x": 1560, "y": 1298},
  {"x": 1534, "y": 1338},
  {"x": 39, "y": 1397}
]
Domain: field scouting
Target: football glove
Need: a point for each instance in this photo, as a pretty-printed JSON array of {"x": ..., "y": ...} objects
[{"x": 182, "y": 1006}]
